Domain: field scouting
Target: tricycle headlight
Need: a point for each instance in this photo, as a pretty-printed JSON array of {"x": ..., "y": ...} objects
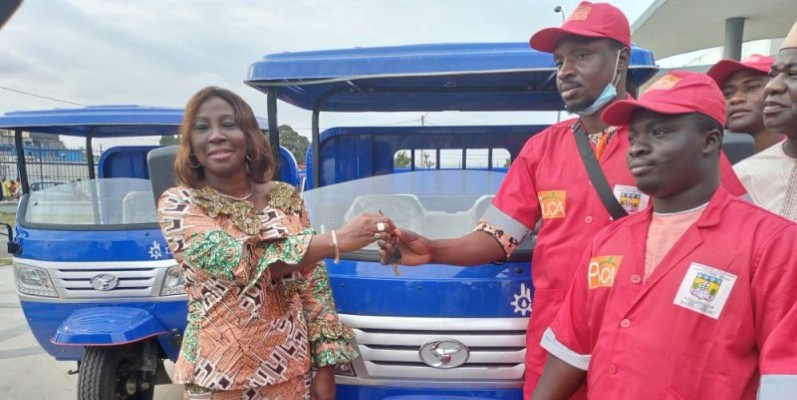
[
  {"x": 173, "y": 281},
  {"x": 34, "y": 281}
]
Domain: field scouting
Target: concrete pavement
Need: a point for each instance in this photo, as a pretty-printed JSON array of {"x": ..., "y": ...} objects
[{"x": 26, "y": 371}]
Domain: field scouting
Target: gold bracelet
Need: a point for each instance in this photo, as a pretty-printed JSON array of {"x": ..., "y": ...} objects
[{"x": 337, "y": 249}]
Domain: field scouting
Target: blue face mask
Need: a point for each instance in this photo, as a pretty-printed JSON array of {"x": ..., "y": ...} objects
[{"x": 608, "y": 94}]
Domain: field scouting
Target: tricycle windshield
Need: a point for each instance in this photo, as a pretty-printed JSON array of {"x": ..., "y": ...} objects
[
  {"x": 437, "y": 203},
  {"x": 107, "y": 202}
]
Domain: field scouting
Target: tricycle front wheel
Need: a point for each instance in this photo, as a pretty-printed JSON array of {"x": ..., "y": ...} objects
[{"x": 114, "y": 373}]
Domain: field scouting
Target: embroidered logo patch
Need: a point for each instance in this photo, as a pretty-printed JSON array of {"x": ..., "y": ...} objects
[
  {"x": 631, "y": 198},
  {"x": 602, "y": 270},
  {"x": 581, "y": 13},
  {"x": 666, "y": 82},
  {"x": 705, "y": 290},
  {"x": 552, "y": 203}
]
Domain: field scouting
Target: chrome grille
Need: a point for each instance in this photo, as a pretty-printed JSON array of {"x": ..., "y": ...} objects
[
  {"x": 135, "y": 278},
  {"x": 390, "y": 351}
]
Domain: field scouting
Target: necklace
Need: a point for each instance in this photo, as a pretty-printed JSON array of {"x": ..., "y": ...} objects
[{"x": 242, "y": 198}]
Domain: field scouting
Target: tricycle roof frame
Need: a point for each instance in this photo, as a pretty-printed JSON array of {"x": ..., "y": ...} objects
[
  {"x": 100, "y": 121},
  {"x": 97, "y": 121},
  {"x": 426, "y": 77}
]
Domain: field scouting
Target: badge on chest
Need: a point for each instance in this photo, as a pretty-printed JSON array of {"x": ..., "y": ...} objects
[
  {"x": 552, "y": 203},
  {"x": 705, "y": 290},
  {"x": 631, "y": 198}
]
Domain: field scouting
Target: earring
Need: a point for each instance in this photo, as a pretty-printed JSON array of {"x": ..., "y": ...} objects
[{"x": 193, "y": 162}]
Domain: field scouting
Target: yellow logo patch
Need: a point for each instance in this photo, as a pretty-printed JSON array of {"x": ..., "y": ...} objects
[
  {"x": 552, "y": 203},
  {"x": 602, "y": 270}
]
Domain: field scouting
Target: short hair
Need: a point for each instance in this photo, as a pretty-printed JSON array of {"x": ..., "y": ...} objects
[
  {"x": 616, "y": 45},
  {"x": 258, "y": 151},
  {"x": 706, "y": 123}
]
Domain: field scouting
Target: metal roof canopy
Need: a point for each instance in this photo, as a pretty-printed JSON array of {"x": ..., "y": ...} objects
[
  {"x": 430, "y": 77},
  {"x": 671, "y": 27},
  {"x": 100, "y": 121},
  {"x": 97, "y": 121}
]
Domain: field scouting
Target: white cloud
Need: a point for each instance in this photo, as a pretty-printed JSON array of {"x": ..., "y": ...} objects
[{"x": 159, "y": 52}]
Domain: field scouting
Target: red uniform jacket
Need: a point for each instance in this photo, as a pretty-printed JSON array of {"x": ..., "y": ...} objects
[{"x": 696, "y": 328}]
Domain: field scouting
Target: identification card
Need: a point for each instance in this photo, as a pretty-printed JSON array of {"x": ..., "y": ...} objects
[{"x": 705, "y": 290}]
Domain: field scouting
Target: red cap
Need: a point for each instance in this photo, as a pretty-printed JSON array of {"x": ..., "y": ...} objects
[
  {"x": 598, "y": 20},
  {"x": 678, "y": 92},
  {"x": 723, "y": 69}
]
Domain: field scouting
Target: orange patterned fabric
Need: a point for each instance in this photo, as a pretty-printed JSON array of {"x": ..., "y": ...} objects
[
  {"x": 246, "y": 330},
  {"x": 295, "y": 389},
  {"x": 507, "y": 242}
]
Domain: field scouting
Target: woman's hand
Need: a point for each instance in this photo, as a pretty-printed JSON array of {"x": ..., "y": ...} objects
[
  {"x": 363, "y": 230},
  {"x": 323, "y": 387}
]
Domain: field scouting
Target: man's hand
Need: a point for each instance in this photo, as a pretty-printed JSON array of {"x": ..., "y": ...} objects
[
  {"x": 559, "y": 380},
  {"x": 414, "y": 249},
  {"x": 323, "y": 387}
]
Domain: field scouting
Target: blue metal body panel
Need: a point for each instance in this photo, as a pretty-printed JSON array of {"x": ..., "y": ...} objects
[
  {"x": 289, "y": 170},
  {"x": 428, "y": 77},
  {"x": 374, "y": 148},
  {"x": 46, "y": 318},
  {"x": 124, "y": 162},
  {"x": 76, "y": 246},
  {"x": 370, "y": 288},
  {"x": 395, "y": 393},
  {"x": 104, "y": 326}
]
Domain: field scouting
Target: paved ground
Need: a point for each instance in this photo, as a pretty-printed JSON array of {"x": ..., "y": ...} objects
[{"x": 26, "y": 372}]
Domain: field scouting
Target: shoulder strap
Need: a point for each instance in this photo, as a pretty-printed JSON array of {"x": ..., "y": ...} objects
[{"x": 595, "y": 173}]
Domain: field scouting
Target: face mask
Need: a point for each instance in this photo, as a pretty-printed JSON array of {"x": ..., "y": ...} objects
[{"x": 608, "y": 94}]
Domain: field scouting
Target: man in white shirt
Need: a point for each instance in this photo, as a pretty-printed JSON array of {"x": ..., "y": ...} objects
[{"x": 770, "y": 176}]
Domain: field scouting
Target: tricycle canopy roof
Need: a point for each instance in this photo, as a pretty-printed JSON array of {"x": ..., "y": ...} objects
[
  {"x": 100, "y": 121},
  {"x": 429, "y": 77}
]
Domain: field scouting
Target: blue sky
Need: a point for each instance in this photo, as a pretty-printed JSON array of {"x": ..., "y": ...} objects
[{"x": 159, "y": 52}]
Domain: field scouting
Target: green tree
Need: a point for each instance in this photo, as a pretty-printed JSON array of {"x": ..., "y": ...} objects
[
  {"x": 401, "y": 160},
  {"x": 293, "y": 141},
  {"x": 169, "y": 140}
]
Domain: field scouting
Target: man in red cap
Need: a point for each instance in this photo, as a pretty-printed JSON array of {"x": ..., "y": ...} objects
[
  {"x": 656, "y": 309},
  {"x": 548, "y": 182},
  {"x": 742, "y": 84},
  {"x": 771, "y": 175}
]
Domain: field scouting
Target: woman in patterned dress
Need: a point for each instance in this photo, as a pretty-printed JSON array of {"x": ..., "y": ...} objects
[{"x": 260, "y": 311}]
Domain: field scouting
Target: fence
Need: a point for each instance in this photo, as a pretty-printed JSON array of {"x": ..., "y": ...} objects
[{"x": 47, "y": 164}]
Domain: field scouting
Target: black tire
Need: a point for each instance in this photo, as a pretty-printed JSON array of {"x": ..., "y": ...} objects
[{"x": 111, "y": 373}]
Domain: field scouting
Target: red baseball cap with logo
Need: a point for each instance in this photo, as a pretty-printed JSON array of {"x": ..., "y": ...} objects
[
  {"x": 594, "y": 20},
  {"x": 678, "y": 92},
  {"x": 725, "y": 68}
]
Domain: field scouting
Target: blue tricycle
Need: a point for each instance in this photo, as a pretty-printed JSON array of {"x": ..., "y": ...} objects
[{"x": 94, "y": 276}]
